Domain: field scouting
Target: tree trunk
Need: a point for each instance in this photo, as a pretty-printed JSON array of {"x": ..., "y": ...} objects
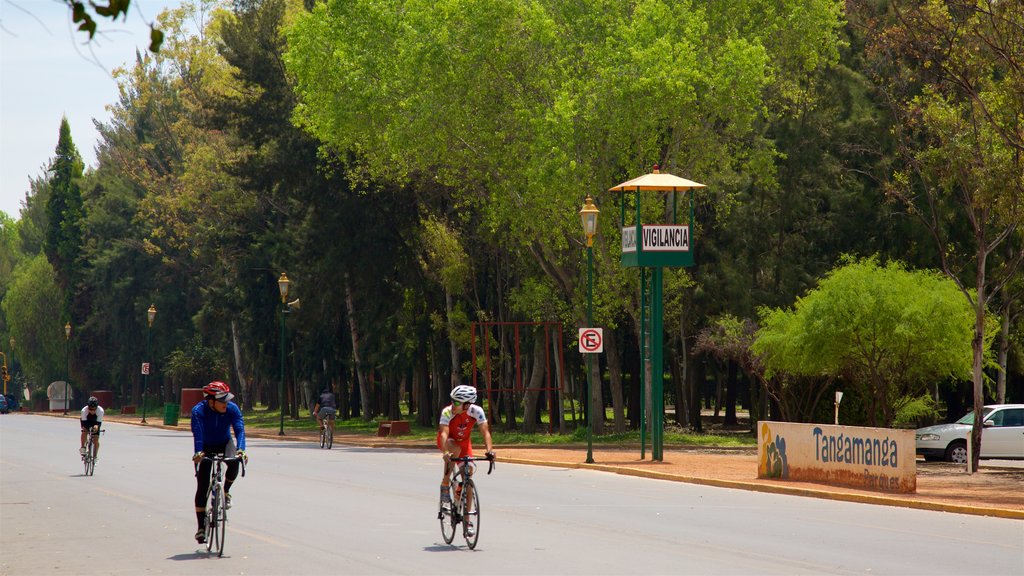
[
  {"x": 364, "y": 391},
  {"x": 978, "y": 345},
  {"x": 682, "y": 386},
  {"x": 243, "y": 382},
  {"x": 1004, "y": 348},
  {"x": 449, "y": 306},
  {"x": 559, "y": 379},
  {"x": 697, "y": 378},
  {"x": 530, "y": 416},
  {"x": 421, "y": 376},
  {"x": 611, "y": 348},
  {"x": 732, "y": 386}
]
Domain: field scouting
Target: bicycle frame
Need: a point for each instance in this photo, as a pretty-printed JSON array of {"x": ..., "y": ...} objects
[
  {"x": 89, "y": 458},
  {"x": 465, "y": 502},
  {"x": 216, "y": 508}
]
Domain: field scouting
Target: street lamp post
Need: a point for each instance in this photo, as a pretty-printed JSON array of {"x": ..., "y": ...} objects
[
  {"x": 67, "y": 364},
  {"x": 150, "y": 316},
  {"x": 12, "y": 364},
  {"x": 282, "y": 286},
  {"x": 588, "y": 214}
]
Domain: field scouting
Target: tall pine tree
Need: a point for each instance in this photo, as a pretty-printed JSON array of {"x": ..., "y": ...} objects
[{"x": 64, "y": 213}]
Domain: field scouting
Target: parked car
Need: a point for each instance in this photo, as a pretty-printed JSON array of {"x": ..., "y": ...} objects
[{"x": 1003, "y": 436}]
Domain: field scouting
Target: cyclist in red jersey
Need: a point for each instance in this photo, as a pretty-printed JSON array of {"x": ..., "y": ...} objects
[{"x": 454, "y": 434}]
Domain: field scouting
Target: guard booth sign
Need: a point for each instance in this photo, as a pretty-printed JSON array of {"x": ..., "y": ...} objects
[
  {"x": 591, "y": 340},
  {"x": 145, "y": 368}
]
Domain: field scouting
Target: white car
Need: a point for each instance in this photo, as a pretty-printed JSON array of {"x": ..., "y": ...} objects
[{"x": 1002, "y": 437}]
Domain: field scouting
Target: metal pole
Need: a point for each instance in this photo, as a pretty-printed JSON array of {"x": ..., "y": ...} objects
[
  {"x": 145, "y": 377},
  {"x": 67, "y": 370},
  {"x": 590, "y": 383},
  {"x": 658, "y": 367},
  {"x": 280, "y": 390}
]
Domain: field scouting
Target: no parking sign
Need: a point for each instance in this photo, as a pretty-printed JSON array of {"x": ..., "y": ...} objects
[{"x": 591, "y": 340}]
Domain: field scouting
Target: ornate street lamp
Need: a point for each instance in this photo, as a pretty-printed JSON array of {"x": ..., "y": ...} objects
[
  {"x": 282, "y": 286},
  {"x": 588, "y": 215},
  {"x": 147, "y": 365},
  {"x": 67, "y": 363}
]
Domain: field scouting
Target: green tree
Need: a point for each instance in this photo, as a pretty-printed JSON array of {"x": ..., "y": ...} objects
[
  {"x": 887, "y": 332},
  {"x": 953, "y": 73},
  {"x": 518, "y": 108},
  {"x": 64, "y": 215},
  {"x": 35, "y": 322}
]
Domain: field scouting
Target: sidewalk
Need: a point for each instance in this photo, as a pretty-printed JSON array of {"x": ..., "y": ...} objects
[{"x": 992, "y": 491}]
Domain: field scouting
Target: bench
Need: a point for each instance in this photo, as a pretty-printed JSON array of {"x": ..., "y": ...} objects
[
  {"x": 393, "y": 428},
  {"x": 127, "y": 409}
]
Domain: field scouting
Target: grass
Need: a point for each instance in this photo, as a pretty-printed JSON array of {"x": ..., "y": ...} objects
[{"x": 262, "y": 418}]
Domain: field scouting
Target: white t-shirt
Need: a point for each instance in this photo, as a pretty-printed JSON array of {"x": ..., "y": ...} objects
[{"x": 99, "y": 413}]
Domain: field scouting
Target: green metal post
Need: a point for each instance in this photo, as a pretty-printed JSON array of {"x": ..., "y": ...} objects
[
  {"x": 67, "y": 371},
  {"x": 590, "y": 357},
  {"x": 280, "y": 390},
  {"x": 643, "y": 362},
  {"x": 145, "y": 377},
  {"x": 657, "y": 368}
]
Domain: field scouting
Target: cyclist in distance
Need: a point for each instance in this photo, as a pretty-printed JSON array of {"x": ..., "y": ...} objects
[
  {"x": 213, "y": 419},
  {"x": 92, "y": 415},
  {"x": 454, "y": 434},
  {"x": 325, "y": 408}
]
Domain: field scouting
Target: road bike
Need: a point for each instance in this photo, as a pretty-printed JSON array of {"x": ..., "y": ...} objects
[
  {"x": 326, "y": 434},
  {"x": 216, "y": 504},
  {"x": 89, "y": 458},
  {"x": 464, "y": 506}
]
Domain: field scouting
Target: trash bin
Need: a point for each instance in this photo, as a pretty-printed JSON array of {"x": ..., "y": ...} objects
[{"x": 171, "y": 414}]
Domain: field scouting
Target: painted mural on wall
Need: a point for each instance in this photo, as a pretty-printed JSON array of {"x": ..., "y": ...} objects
[
  {"x": 880, "y": 459},
  {"x": 772, "y": 455}
]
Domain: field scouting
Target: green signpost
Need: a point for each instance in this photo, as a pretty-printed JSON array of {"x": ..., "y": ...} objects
[{"x": 654, "y": 246}]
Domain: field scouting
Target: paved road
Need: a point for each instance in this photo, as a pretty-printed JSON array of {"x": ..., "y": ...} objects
[{"x": 303, "y": 510}]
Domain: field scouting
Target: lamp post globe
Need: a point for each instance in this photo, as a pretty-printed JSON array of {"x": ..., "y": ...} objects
[
  {"x": 588, "y": 216},
  {"x": 282, "y": 286}
]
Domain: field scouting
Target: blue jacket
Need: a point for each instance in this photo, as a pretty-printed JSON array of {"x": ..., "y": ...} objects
[{"x": 212, "y": 427}]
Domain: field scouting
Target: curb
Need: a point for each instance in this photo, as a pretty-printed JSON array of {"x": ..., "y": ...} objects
[
  {"x": 780, "y": 489},
  {"x": 881, "y": 500}
]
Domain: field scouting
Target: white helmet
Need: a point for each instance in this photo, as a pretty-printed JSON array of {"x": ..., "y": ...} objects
[{"x": 464, "y": 394}]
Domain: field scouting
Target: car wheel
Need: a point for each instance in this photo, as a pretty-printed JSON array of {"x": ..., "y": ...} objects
[{"x": 957, "y": 452}]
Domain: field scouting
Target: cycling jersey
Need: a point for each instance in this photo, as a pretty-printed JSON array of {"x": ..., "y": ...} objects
[
  {"x": 90, "y": 420},
  {"x": 460, "y": 426},
  {"x": 212, "y": 428}
]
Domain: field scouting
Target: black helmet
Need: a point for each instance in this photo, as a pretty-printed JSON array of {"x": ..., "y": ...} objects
[{"x": 93, "y": 402}]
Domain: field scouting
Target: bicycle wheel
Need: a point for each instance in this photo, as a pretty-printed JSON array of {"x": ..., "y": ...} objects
[
  {"x": 222, "y": 523},
  {"x": 470, "y": 513},
  {"x": 211, "y": 519},
  {"x": 90, "y": 457},
  {"x": 323, "y": 435},
  {"x": 330, "y": 437},
  {"x": 449, "y": 520}
]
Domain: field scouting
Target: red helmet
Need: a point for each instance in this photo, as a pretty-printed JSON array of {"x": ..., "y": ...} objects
[{"x": 218, "y": 390}]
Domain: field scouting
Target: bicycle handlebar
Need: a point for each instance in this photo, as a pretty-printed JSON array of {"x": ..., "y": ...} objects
[
  {"x": 474, "y": 459},
  {"x": 225, "y": 459}
]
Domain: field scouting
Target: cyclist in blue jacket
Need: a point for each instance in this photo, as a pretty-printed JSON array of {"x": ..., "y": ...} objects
[{"x": 213, "y": 419}]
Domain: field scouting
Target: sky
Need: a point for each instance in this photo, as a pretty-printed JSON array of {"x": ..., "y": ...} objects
[{"x": 49, "y": 70}]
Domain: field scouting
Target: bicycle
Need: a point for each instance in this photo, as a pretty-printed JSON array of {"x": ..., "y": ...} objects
[
  {"x": 89, "y": 458},
  {"x": 465, "y": 504},
  {"x": 326, "y": 433},
  {"x": 216, "y": 506}
]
